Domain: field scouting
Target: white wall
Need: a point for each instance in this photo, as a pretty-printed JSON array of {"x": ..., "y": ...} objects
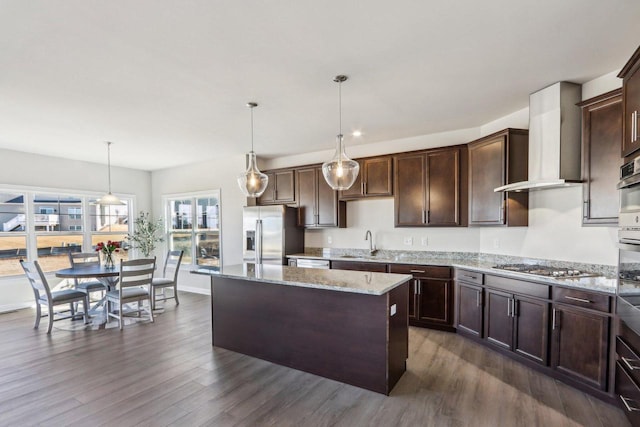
[
  {"x": 32, "y": 170},
  {"x": 210, "y": 175}
]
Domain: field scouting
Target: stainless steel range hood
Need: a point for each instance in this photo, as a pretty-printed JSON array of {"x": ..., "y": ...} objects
[{"x": 554, "y": 139}]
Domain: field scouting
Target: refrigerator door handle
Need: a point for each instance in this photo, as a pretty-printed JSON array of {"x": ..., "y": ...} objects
[{"x": 258, "y": 251}]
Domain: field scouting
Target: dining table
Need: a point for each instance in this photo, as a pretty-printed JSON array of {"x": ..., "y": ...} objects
[{"x": 108, "y": 276}]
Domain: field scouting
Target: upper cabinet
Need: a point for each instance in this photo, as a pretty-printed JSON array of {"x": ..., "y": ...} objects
[
  {"x": 494, "y": 161},
  {"x": 280, "y": 188},
  {"x": 318, "y": 205},
  {"x": 430, "y": 188},
  {"x": 374, "y": 180},
  {"x": 631, "y": 104},
  {"x": 601, "y": 142}
]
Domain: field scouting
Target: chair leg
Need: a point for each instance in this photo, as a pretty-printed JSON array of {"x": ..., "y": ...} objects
[
  {"x": 50, "y": 319},
  {"x": 150, "y": 310},
  {"x": 86, "y": 303},
  {"x": 175, "y": 293},
  {"x": 38, "y": 315},
  {"x": 72, "y": 309},
  {"x": 153, "y": 298},
  {"x": 120, "y": 315}
]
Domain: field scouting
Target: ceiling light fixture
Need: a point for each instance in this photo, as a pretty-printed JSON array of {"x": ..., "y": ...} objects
[
  {"x": 340, "y": 172},
  {"x": 109, "y": 199},
  {"x": 252, "y": 182}
]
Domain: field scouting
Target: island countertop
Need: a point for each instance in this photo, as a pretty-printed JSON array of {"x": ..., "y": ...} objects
[{"x": 335, "y": 280}]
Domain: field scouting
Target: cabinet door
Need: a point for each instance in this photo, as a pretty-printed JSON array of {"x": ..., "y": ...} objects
[
  {"x": 378, "y": 177},
  {"x": 498, "y": 324},
  {"x": 531, "y": 328},
  {"x": 434, "y": 299},
  {"x": 579, "y": 345},
  {"x": 443, "y": 184},
  {"x": 327, "y": 208},
  {"x": 268, "y": 196},
  {"x": 306, "y": 196},
  {"x": 469, "y": 309},
  {"x": 486, "y": 170},
  {"x": 409, "y": 199},
  {"x": 284, "y": 191},
  {"x": 601, "y": 144},
  {"x": 631, "y": 89},
  {"x": 356, "y": 191}
]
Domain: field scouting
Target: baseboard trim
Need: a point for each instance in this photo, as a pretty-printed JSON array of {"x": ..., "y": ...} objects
[
  {"x": 13, "y": 307},
  {"x": 193, "y": 290}
]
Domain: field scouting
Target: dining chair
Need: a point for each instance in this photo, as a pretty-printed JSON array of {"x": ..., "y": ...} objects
[
  {"x": 169, "y": 279},
  {"x": 86, "y": 259},
  {"x": 134, "y": 286},
  {"x": 45, "y": 296}
]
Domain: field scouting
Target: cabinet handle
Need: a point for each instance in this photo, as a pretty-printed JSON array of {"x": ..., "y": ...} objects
[
  {"x": 509, "y": 307},
  {"x": 362, "y": 187},
  {"x": 428, "y": 217},
  {"x": 470, "y": 276},
  {"x": 626, "y": 405},
  {"x": 634, "y": 126},
  {"x": 514, "y": 310},
  {"x": 416, "y": 271},
  {"x": 585, "y": 209},
  {"x": 424, "y": 217},
  {"x": 629, "y": 365},
  {"x": 478, "y": 298},
  {"x": 418, "y": 290},
  {"x": 586, "y": 301},
  {"x": 364, "y": 184},
  {"x": 553, "y": 319}
]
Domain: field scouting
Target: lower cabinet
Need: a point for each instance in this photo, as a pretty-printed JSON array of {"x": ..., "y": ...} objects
[
  {"x": 580, "y": 345},
  {"x": 517, "y": 323},
  {"x": 565, "y": 332}
]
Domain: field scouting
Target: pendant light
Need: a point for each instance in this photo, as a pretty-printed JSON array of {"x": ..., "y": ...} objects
[
  {"x": 340, "y": 172},
  {"x": 109, "y": 199},
  {"x": 252, "y": 182}
]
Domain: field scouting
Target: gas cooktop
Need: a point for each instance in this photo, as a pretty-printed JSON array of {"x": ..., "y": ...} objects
[{"x": 543, "y": 270}]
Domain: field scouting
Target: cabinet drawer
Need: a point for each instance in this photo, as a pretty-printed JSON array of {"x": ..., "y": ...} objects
[
  {"x": 518, "y": 286},
  {"x": 628, "y": 359},
  {"x": 359, "y": 266},
  {"x": 629, "y": 394},
  {"x": 435, "y": 272},
  {"x": 469, "y": 276},
  {"x": 582, "y": 298}
]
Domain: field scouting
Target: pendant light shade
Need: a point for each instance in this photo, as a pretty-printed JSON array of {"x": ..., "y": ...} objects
[
  {"x": 109, "y": 198},
  {"x": 252, "y": 182},
  {"x": 340, "y": 172}
]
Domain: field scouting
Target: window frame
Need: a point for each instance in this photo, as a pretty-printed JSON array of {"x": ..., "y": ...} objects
[{"x": 194, "y": 230}]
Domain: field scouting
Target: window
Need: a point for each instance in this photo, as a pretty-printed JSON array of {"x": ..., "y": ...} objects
[
  {"x": 194, "y": 227},
  {"x": 58, "y": 225}
]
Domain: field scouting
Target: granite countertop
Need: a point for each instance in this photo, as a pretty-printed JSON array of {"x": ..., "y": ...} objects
[
  {"x": 335, "y": 280},
  {"x": 604, "y": 279}
]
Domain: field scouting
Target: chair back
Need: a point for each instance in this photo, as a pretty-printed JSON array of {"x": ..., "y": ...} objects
[
  {"x": 172, "y": 265},
  {"x": 84, "y": 259},
  {"x": 37, "y": 280},
  {"x": 136, "y": 272}
]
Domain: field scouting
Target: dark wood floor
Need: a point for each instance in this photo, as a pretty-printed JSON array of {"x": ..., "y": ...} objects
[{"x": 167, "y": 373}]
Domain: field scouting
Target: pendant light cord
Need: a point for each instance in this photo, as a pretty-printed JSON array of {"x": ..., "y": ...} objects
[
  {"x": 251, "y": 129},
  {"x": 109, "y": 164},
  {"x": 340, "y": 108}
]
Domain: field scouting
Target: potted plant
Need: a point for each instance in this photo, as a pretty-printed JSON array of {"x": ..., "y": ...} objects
[{"x": 146, "y": 233}]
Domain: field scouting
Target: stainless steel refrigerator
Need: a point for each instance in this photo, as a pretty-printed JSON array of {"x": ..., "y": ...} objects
[{"x": 270, "y": 233}]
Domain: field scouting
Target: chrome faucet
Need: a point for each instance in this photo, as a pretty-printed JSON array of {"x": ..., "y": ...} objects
[{"x": 372, "y": 247}]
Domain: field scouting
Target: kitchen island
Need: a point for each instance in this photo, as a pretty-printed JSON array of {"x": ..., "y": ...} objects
[{"x": 348, "y": 326}]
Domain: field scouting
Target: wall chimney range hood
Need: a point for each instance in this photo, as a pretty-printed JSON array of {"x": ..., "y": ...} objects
[{"x": 554, "y": 139}]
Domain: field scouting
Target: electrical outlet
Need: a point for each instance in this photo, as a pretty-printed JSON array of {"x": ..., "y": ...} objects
[
  {"x": 425, "y": 241},
  {"x": 496, "y": 243},
  {"x": 329, "y": 240},
  {"x": 408, "y": 241}
]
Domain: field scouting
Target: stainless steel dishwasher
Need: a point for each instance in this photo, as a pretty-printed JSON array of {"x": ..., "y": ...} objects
[{"x": 310, "y": 263}]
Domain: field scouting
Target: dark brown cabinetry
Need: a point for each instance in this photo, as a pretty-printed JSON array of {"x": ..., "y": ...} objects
[
  {"x": 469, "y": 302},
  {"x": 601, "y": 145},
  {"x": 359, "y": 266},
  {"x": 631, "y": 104},
  {"x": 580, "y": 343},
  {"x": 280, "y": 188},
  {"x": 430, "y": 295},
  {"x": 374, "y": 180},
  {"x": 318, "y": 205},
  {"x": 494, "y": 161},
  {"x": 627, "y": 367},
  {"x": 431, "y": 188}
]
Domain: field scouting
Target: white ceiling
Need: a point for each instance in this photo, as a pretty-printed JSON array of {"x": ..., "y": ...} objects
[{"x": 167, "y": 81}]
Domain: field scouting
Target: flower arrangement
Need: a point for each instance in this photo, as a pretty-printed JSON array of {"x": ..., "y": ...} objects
[
  {"x": 146, "y": 233},
  {"x": 108, "y": 249}
]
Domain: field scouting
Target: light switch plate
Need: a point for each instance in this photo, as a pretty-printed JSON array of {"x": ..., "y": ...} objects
[
  {"x": 425, "y": 241},
  {"x": 329, "y": 240},
  {"x": 392, "y": 310},
  {"x": 408, "y": 241}
]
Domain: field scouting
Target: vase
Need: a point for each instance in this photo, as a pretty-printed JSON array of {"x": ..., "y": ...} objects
[{"x": 108, "y": 261}]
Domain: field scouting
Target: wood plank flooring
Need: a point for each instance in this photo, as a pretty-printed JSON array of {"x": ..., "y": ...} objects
[{"x": 168, "y": 374}]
